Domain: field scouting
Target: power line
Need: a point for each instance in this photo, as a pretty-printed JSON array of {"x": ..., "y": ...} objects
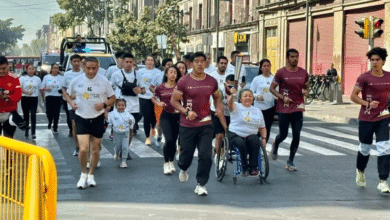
[
  {"x": 23, "y": 9},
  {"x": 42, "y": 3}
]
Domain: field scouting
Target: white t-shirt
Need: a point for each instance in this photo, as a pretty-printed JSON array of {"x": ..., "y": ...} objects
[
  {"x": 231, "y": 70},
  {"x": 120, "y": 121},
  {"x": 30, "y": 84},
  {"x": 158, "y": 79},
  {"x": 210, "y": 69},
  {"x": 260, "y": 86},
  {"x": 148, "y": 76},
  {"x": 90, "y": 92},
  {"x": 189, "y": 70},
  {"x": 221, "y": 79},
  {"x": 102, "y": 71},
  {"x": 245, "y": 121},
  {"x": 68, "y": 78},
  {"x": 55, "y": 83},
  {"x": 110, "y": 71},
  {"x": 132, "y": 102}
]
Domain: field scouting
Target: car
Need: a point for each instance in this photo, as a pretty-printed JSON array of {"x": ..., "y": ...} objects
[
  {"x": 47, "y": 59},
  {"x": 251, "y": 73}
]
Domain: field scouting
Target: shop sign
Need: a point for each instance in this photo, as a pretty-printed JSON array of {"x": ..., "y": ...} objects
[{"x": 239, "y": 38}]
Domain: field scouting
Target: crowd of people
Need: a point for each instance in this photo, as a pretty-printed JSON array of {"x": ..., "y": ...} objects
[{"x": 189, "y": 103}]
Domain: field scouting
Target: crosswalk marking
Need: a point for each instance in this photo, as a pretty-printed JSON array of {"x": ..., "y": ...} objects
[
  {"x": 334, "y": 133},
  {"x": 352, "y": 129},
  {"x": 142, "y": 150},
  {"x": 45, "y": 139},
  {"x": 104, "y": 153},
  {"x": 281, "y": 150}
]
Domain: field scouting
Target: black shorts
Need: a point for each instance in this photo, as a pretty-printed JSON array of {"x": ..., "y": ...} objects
[
  {"x": 217, "y": 126},
  {"x": 7, "y": 129},
  {"x": 72, "y": 114},
  {"x": 93, "y": 126},
  {"x": 368, "y": 128}
]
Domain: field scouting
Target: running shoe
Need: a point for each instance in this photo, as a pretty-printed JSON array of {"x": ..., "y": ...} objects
[
  {"x": 172, "y": 166},
  {"x": 200, "y": 190},
  {"x": 148, "y": 141},
  {"x": 274, "y": 155},
  {"x": 167, "y": 168},
  {"x": 34, "y": 137},
  {"x": 76, "y": 152},
  {"x": 383, "y": 186},
  {"x": 123, "y": 164},
  {"x": 91, "y": 180},
  {"x": 360, "y": 178},
  {"x": 157, "y": 143},
  {"x": 290, "y": 166},
  {"x": 55, "y": 131},
  {"x": 111, "y": 137},
  {"x": 82, "y": 183},
  {"x": 183, "y": 176},
  {"x": 254, "y": 173}
]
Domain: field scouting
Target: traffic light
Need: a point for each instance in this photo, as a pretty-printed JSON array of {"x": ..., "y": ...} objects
[
  {"x": 364, "y": 23},
  {"x": 376, "y": 27}
]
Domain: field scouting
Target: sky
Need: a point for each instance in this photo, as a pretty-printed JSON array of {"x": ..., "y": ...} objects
[{"x": 31, "y": 14}]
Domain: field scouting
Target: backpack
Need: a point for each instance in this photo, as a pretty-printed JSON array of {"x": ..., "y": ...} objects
[{"x": 127, "y": 87}]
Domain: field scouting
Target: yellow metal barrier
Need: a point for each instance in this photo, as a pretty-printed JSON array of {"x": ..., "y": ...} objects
[{"x": 28, "y": 180}]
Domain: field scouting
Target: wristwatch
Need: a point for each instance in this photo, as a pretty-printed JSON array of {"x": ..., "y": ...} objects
[{"x": 104, "y": 105}]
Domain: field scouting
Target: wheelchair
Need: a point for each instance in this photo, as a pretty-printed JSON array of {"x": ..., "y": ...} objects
[{"x": 227, "y": 154}]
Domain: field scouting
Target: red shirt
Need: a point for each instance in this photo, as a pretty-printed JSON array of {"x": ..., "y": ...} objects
[
  {"x": 374, "y": 88},
  {"x": 291, "y": 85},
  {"x": 196, "y": 97},
  {"x": 165, "y": 94},
  {"x": 10, "y": 83}
]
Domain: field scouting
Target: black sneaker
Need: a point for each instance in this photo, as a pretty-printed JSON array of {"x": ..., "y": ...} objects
[
  {"x": 49, "y": 126},
  {"x": 34, "y": 137},
  {"x": 55, "y": 131},
  {"x": 76, "y": 152}
]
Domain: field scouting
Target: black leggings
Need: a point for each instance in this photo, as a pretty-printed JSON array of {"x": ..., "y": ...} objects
[
  {"x": 53, "y": 108},
  {"x": 68, "y": 119},
  {"x": 137, "y": 117},
  {"x": 296, "y": 120},
  {"x": 29, "y": 106},
  {"x": 248, "y": 145},
  {"x": 268, "y": 115},
  {"x": 169, "y": 123},
  {"x": 147, "y": 111}
]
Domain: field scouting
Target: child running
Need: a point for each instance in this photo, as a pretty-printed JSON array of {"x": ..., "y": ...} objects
[{"x": 122, "y": 123}]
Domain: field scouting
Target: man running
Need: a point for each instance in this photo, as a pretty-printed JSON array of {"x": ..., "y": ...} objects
[
  {"x": 92, "y": 91},
  {"x": 195, "y": 89},
  {"x": 373, "y": 118},
  {"x": 113, "y": 69},
  {"x": 292, "y": 80}
]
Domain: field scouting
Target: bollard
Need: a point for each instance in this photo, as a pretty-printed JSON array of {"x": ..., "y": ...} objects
[
  {"x": 332, "y": 92},
  {"x": 338, "y": 94}
]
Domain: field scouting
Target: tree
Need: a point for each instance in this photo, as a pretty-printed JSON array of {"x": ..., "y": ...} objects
[
  {"x": 63, "y": 21},
  {"x": 14, "y": 51},
  {"x": 34, "y": 49},
  {"x": 9, "y": 36},
  {"x": 136, "y": 36}
]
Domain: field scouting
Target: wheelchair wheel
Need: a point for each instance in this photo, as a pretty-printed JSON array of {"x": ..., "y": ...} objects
[
  {"x": 222, "y": 158},
  {"x": 264, "y": 166}
]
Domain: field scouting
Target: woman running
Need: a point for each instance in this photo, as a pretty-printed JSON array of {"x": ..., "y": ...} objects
[
  {"x": 264, "y": 100},
  {"x": 50, "y": 87},
  {"x": 30, "y": 85},
  {"x": 170, "y": 118},
  {"x": 182, "y": 67}
]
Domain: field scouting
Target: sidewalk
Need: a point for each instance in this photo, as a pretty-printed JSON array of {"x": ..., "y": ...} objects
[{"x": 347, "y": 112}]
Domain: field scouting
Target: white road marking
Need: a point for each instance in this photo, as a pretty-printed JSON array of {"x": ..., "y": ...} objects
[
  {"x": 45, "y": 139},
  {"x": 334, "y": 133}
]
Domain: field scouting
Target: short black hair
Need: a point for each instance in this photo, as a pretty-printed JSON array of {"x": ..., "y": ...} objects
[
  {"x": 120, "y": 100},
  {"x": 198, "y": 54},
  {"x": 3, "y": 60},
  {"x": 222, "y": 58},
  {"x": 75, "y": 56},
  {"x": 119, "y": 54},
  {"x": 289, "y": 51},
  {"x": 91, "y": 59},
  {"x": 127, "y": 55},
  {"x": 265, "y": 60},
  {"x": 187, "y": 56},
  {"x": 233, "y": 53},
  {"x": 165, "y": 61},
  {"x": 230, "y": 77},
  {"x": 165, "y": 78},
  {"x": 382, "y": 52},
  {"x": 78, "y": 35}
]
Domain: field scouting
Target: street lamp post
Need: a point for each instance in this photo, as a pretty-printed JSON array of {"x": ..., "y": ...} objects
[
  {"x": 217, "y": 28},
  {"x": 180, "y": 14}
]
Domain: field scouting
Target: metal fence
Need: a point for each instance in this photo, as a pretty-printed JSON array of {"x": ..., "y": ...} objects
[{"x": 28, "y": 179}]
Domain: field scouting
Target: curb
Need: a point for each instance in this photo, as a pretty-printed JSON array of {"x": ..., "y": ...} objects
[{"x": 332, "y": 118}]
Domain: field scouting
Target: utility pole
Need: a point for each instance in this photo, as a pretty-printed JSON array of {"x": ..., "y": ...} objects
[
  {"x": 217, "y": 23},
  {"x": 105, "y": 19},
  {"x": 307, "y": 36}
]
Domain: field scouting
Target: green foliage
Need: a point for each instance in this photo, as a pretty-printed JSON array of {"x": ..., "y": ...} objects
[
  {"x": 9, "y": 36},
  {"x": 63, "y": 21},
  {"x": 35, "y": 47}
]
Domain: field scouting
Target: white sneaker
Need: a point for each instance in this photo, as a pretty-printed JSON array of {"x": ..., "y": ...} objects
[
  {"x": 183, "y": 176},
  {"x": 82, "y": 183},
  {"x": 91, "y": 181},
  {"x": 172, "y": 166},
  {"x": 383, "y": 186},
  {"x": 167, "y": 168},
  {"x": 200, "y": 190},
  {"x": 360, "y": 178},
  {"x": 116, "y": 157},
  {"x": 123, "y": 164}
]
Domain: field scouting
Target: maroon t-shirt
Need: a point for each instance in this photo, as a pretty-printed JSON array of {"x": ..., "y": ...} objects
[
  {"x": 291, "y": 85},
  {"x": 196, "y": 97},
  {"x": 374, "y": 88},
  {"x": 165, "y": 94}
]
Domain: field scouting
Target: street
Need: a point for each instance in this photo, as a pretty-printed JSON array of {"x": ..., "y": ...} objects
[{"x": 323, "y": 188}]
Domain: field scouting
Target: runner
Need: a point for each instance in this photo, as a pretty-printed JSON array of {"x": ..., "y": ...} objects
[
  {"x": 145, "y": 100},
  {"x": 30, "y": 90},
  {"x": 114, "y": 68},
  {"x": 136, "y": 84},
  {"x": 91, "y": 91},
  {"x": 196, "y": 130},
  {"x": 209, "y": 67},
  {"x": 76, "y": 71},
  {"x": 50, "y": 88},
  {"x": 373, "y": 118},
  {"x": 292, "y": 81},
  {"x": 264, "y": 100},
  {"x": 182, "y": 67},
  {"x": 10, "y": 95},
  {"x": 220, "y": 75},
  {"x": 169, "y": 117}
]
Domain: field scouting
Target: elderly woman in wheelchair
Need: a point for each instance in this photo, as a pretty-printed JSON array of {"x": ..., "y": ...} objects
[{"x": 246, "y": 125}]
